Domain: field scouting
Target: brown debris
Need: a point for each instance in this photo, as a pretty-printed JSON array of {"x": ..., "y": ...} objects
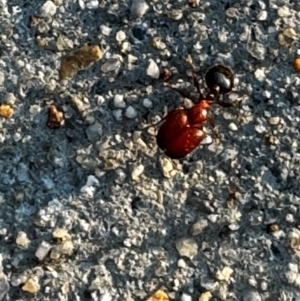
[
  {"x": 79, "y": 60},
  {"x": 6, "y": 111},
  {"x": 55, "y": 118},
  {"x": 193, "y": 3},
  {"x": 31, "y": 286},
  {"x": 32, "y": 22},
  {"x": 165, "y": 74}
]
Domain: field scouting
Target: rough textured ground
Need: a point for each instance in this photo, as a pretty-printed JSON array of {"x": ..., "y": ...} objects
[{"x": 235, "y": 206}]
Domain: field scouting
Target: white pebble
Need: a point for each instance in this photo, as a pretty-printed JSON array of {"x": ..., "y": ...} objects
[
  {"x": 81, "y": 4},
  {"x": 139, "y": 8},
  {"x": 17, "y": 137},
  {"x": 262, "y": 15},
  {"x": 42, "y": 250},
  {"x": 22, "y": 239},
  {"x": 130, "y": 112},
  {"x": 289, "y": 218},
  {"x": 264, "y": 286},
  {"x": 207, "y": 140},
  {"x": 181, "y": 263},
  {"x": 186, "y": 297},
  {"x": 147, "y": 103},
  {"x": 153, "y": 70},
  {"x": 106, "y": 297},
  {"x": 260, "y": 129},
  {"x": 138, "y": 170},
  {"x": 92, "y": 4},
  {"x": 260, "y": 75},
  {"x": 88, "y": 190},
  {"x": 232, "y": 126},
  {"x": 267, "y": 94},
  {"x": 92, "y": 181},
  {"x": 105, "y": 30},
  {"x": 48, "y": 9},
  {"x": 2, "y": 78},
  {"x": 120, "y": 36},
  {"x": 283, "y": 12},
  {"x": 119, "y": 101}
]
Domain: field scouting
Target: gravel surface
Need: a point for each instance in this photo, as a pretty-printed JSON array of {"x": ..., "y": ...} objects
[{"x": 91, "y": 209}]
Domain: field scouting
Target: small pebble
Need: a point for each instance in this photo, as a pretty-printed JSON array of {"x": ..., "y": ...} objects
[
  {"x": 130, "y": 112},
  {"x": 6, "y": 111},
  {"x": 136, "y": 173},
  {"x": 106, "y": 297},
  {"x": 274, "y": 120},
  {"x": 48, "y": 9},
  {"x": 264, "y": 286},
  {"x": 147, "y": 103},
  {"x": 287, "y": 37},
  {"x": 296, "y": 64},
  {"x": 283, "y": 12},
  {"x": 31, "y": 286},
  {"x": 224, "y": 274},
  {"x": 117, "y": 114},
  {"x": 92, "y": 181},
  {"x": 153, "y": 70},
  {"x": 260, "y": 74},
  {"x": 260, "y": 129},
  {"x": 22, "y": 239},
  {"x": 42, "y": 250},
  {"x": 159, "y": 295},
  {"x": 2, "y": 78},
  {"x": 175, "y": 14},
  {"x": 139, "y": 8},
  {"x": 252, "y": 296},
  {"x": 120, "y": 36},
  {"x": 181, "y": 263},
  {"x": 186, "y": 297},
  {"x": 198, "y": 227},
  {"x": 166, "y": 166},
  {"x": 187, "y": 247},
  {"x": 232, "y": 126},
  {"x": 119, "y": 101},
  {"x": 257, "y": 50},
  {"x": 205, "y": 296},
  {"x": 105, "y": 30},
  {"x": 262, "y": 15},
  {"x": 94, "y": 4}
]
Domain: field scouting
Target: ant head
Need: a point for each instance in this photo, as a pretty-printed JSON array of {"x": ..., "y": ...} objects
[{"x": 219, "y": 80}]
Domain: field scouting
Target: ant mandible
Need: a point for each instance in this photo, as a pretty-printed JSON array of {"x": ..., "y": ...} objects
[{"x": 182, "y": 129}]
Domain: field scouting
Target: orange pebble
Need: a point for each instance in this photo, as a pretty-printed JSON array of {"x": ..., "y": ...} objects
[
  {"x": 6, "y": 111},
  {"x": 297, "y": 64}
]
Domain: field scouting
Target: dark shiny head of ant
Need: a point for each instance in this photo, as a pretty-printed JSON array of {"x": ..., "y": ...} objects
[{"x": 219, "y": 80}]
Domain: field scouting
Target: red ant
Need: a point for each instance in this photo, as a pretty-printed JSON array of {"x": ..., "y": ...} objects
[{"x": 182, "y": 129}]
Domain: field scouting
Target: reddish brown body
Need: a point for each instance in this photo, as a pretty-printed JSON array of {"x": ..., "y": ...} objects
[{"x": 182, "y": 130}]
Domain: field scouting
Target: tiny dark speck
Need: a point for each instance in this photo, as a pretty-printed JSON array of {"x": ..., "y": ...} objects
[{"x": 135, "y": 203}]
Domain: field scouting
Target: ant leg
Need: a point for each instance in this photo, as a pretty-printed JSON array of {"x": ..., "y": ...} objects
[
  {"x": 215, "y": 134},
  {"x": 224, "y": 104},
  {"x": 174, "y": 112},
  {"x": 195, "y": 80},
  {"x": 228, "y": 105},
  {"x": 177, "y": 90}
]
